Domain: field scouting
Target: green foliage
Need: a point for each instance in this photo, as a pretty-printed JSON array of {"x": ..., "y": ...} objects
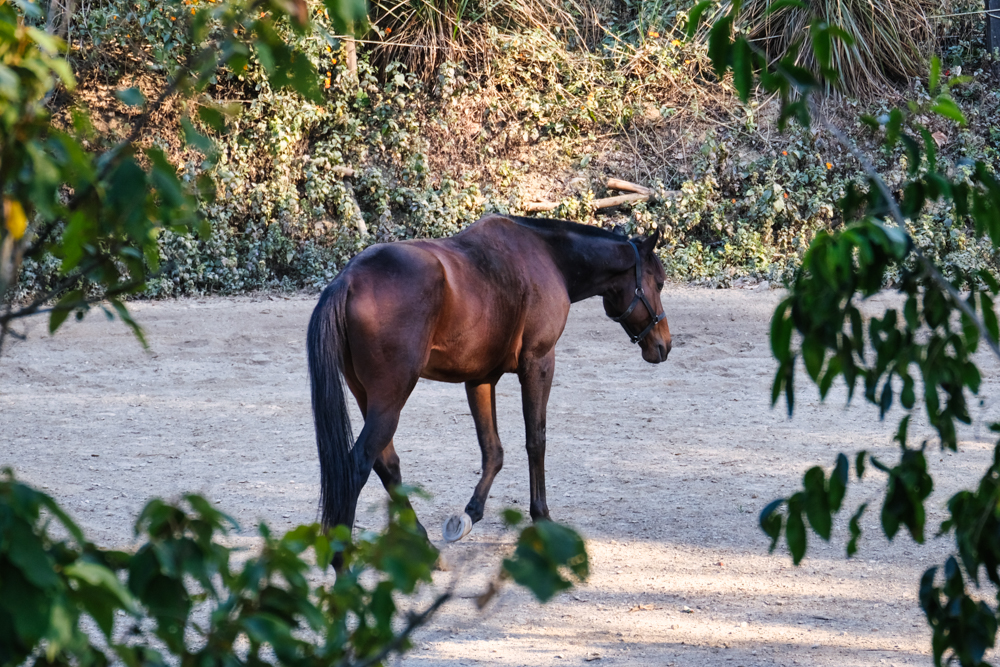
[
  {"x": 100, "y": 214},
  {"x": 932, "y": 339},
  {"x": 543, "y": 551},
  {"x": 286, "y": 217},
  {"x": 179, "y": 599}
]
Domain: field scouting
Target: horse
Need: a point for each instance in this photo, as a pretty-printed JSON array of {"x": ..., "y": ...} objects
[{"x": 490, "y": 300}]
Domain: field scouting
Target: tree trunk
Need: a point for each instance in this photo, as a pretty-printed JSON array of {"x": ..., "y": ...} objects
[
  {"x": 993, "y": 29},
  {"x": 351, "y": 53},
  {"x": 59, "y": 15}
]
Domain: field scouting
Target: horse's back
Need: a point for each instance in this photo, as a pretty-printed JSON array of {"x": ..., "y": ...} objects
[{"x": 460, "y": 306}]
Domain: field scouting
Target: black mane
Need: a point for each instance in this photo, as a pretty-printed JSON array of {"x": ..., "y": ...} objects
[{"x": 566, "y": 226}]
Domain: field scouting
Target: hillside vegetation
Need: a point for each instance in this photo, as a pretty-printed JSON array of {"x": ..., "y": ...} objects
[{"x": 463, "y": 108}]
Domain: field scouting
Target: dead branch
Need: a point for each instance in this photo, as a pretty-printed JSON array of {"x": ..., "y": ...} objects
[
  {"x": 640, "y": 193},
  {"x": 625, "y": 186}
]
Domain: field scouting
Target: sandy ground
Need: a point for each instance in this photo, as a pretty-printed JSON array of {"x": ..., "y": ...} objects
[{"x": 662, "y": 468}]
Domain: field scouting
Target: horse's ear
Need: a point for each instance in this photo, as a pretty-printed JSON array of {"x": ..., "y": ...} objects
[{"x": 649, "y": 244}]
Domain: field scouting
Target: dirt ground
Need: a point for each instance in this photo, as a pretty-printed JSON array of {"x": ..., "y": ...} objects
[{"x": 663, "y": 469}]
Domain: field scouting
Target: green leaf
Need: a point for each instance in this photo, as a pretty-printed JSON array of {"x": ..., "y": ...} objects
[
  {"x": 742, "y": 68},
  {"x": 101, "y": 577},
  {"x": 69, "y": 302},
  {"x": 854, "y": 526},
  {"x": 833, "y": 369},
  {"x": 770, "y": 521},
  {"x": 349, "y": 17},
  {"x": 126, "y": 317},
  {"x": 817, "y": 502},
  {"x": 913, "y": 153},
  {"x": 25, "y": 550},
  {"x": 813, "y": 354},
  {"x": 795, "y": 532},
  {"x": 893, "y": 127},
  {"x": 990, "y": 281},
  {"x": 133, "y": 97},
  {"x": 782, "y": 4},
  {"x": 195, "y": 138},
  {"x": 779, "y": 383},
  {"x": 512, "y": 517},
  {"x": 781, "y": 331},
  {"x": 212, "y": 117},
  {"x": 838, "y": 483},
  {"x": 946, "y": 107},
  {"x": 694, "y": 17},
  {"x": 719, "y": 44},
  {"x": 46, "y": 42},
  {"x": 908, "y": 396},
  {"x": 859, "y": 463},
  {"x": 543, "y": 549},
  {"x": 870, "y": 121},
  {"x": 164, "y": 176},
  {"x": 989, "y": 317},
  {"x": 935, "y": 78}
]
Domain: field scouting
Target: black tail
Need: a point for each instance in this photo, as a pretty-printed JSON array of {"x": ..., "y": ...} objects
[{"x": 325, "y": 343}]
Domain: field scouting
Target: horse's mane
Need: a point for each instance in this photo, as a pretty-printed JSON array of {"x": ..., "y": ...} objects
[{"x": 566, "y": 226}]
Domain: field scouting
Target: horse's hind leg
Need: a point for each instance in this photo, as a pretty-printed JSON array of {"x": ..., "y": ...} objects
[
  {"x": 483, "y": 405},
  {"x": 387, "y": 469},
  {"x": 386, "y": 466}
]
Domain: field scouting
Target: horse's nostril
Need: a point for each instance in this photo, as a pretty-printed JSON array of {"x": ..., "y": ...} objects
[{"x": 664, "y": 351}]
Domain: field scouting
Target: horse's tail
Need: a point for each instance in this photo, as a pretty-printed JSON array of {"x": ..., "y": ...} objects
[{"x": 326, "y": 342}]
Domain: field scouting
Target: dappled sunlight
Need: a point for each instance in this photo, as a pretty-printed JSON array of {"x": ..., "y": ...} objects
[{"x": 663, "y": 471}]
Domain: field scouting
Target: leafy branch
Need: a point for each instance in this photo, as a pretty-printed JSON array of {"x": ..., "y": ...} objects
[
  {"x": 266, "y": 610},
  {"x": 936, "y": 334}
]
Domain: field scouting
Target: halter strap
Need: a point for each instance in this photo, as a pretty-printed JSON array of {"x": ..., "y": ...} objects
[{"x": 640, "y": 296}]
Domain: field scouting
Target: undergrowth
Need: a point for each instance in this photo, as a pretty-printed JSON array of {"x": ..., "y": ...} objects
[{"x": 395, "y": 154}]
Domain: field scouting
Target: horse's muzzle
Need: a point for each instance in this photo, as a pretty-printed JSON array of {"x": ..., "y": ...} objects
[{"x": 656, "y": 353}]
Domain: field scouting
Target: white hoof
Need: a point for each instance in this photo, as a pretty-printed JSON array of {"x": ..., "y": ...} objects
[{"x": 456, "y": 527}]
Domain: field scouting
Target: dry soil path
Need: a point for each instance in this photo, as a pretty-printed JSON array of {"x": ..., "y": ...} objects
[{"x": 662, "y": 468}]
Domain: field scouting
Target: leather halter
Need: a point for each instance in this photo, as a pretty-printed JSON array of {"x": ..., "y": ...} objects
[{"x": 639, "y": 296}]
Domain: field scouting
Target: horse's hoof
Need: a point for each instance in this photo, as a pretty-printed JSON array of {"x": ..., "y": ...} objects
[{"x": 456, "y": 527}]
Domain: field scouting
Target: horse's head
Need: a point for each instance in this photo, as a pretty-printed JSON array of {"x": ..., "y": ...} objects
[{"x": 634, "y": 300}]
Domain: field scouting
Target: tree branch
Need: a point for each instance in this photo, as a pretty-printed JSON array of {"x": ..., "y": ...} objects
[
  {"x": 897, "y": 215},
  {"x": 414, "y": 622}
]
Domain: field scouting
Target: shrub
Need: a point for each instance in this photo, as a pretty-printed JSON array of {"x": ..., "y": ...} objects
[{"x": 180, "y": 598}]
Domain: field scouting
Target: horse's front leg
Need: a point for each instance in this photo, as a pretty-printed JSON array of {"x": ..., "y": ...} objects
[
  {"x": 483, "y": 405},
  {"x": 536, "y": 381}
]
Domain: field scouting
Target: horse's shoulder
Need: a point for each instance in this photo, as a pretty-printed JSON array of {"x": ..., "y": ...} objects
[{"x": 490, "y": 225}]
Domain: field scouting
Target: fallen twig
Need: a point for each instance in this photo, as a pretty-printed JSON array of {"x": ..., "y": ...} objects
[{"x": 640, "y": 193}]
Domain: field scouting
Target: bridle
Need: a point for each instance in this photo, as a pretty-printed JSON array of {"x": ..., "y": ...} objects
[{"x": 639, "y": 296}]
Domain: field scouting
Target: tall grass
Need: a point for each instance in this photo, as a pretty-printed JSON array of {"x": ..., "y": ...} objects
[
  {"x": 425, "y": 33},
  {"x": 894, "y": 38}
]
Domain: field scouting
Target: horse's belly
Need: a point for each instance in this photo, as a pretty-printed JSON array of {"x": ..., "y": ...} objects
[{"x": 455, "y": 364}]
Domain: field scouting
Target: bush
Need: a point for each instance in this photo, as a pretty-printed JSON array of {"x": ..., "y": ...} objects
[{"x": 180, "y": 598}]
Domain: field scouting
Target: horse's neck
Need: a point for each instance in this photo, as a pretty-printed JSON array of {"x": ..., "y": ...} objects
[{"x": 590, "y": 265}]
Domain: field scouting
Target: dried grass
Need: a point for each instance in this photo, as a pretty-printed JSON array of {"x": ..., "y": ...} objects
[
  {"x": 894, "y": 38},
  {"x": 423, "y": 34}
]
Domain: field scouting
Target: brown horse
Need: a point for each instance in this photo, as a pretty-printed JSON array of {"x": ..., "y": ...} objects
[{"x": 490, "y": 300}]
